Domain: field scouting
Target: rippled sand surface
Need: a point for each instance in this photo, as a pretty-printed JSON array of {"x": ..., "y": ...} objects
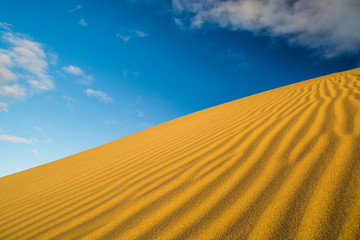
[{"x": 282, "y": 164}]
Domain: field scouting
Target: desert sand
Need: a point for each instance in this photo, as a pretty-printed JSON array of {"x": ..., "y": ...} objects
[{"x": 282, "y": 164}]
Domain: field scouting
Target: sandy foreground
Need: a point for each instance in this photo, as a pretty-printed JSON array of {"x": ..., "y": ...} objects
[{"x": 282, "y": 164}]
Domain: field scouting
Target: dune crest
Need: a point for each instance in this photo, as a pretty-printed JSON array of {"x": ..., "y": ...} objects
[{"x": 282, "y": 164}]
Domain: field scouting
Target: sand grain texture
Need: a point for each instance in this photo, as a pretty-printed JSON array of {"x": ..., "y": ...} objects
[{"x": 282, "y": 164}]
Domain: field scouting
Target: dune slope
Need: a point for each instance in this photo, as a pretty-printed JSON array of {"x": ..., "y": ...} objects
[{"x": 282, "y": 164}]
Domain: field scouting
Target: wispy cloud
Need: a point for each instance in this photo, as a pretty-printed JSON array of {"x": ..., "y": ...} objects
[
  {"x": 78, "y": 7},
  {"x": 23, "y": 65},
  {"x": 34, "y": 152},
  {"x": 140, "y": 113},
  {"x": 6, "y": 26},
  {"x": 98, "y": 94},
  {"x": 179, "y": 22},
  {"x": 82, "y": 22},
  {"x": 141, "y": 34},
  {"x": 37, "y": 128},
  {"x": 14, "y": 139},
  {"x": 14, "y": 91},
  {"x": 125, "y": 38},
  {"x": 329, "y": 26},
  {"x": 75, "y": 70},
  {"x": 69, "y": 100},
  {"x": 3, "y": 107},
  {"x": 126, "y": 35},
  {"x": 86, "y": 79},
  {"x": 24, "y": 58},
  {"x": 145, "y": 124},
  {"x": 6, "y": 75},
  {"x": 126, "y": 74}
]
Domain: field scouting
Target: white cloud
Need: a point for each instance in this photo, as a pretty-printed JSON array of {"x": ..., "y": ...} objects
[
  {"x": 43, "y": 85},
  {"x": 141, "y": 34},
  {"x": 126, "y": 35},
  {"x": 22, "y": 61},
  {"x": 82, "y": 22},
  {"x": 75, "y": 70},
  {"x": 28, "y": 55},
  {"x": 34, "y": 152},
  {"x": 14, "y": 90},
  {"x": 123, "y": 37},
  {"x": 329, "y": 26},
  {"x": 3, "y": 107},
  {"x": 14, "y": 139},
  {"x": 6, "y": 75},
  {"x": 98, "y": 94},
  {"x": 78, "y": 7}
]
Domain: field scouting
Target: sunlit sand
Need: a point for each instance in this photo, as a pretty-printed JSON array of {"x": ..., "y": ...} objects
[{"x": 282, "y": 164}]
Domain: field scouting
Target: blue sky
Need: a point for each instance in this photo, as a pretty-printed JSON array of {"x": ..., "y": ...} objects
[{"x": 78, "y": 74}]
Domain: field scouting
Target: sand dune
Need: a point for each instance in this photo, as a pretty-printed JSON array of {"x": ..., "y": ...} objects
[{"x": 282, "y": 164}]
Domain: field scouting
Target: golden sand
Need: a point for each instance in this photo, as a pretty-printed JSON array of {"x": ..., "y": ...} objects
[{"x": 282, "y": 164}]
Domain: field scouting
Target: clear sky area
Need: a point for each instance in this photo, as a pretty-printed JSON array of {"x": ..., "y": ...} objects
[{"x": 78, "y": 74}]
